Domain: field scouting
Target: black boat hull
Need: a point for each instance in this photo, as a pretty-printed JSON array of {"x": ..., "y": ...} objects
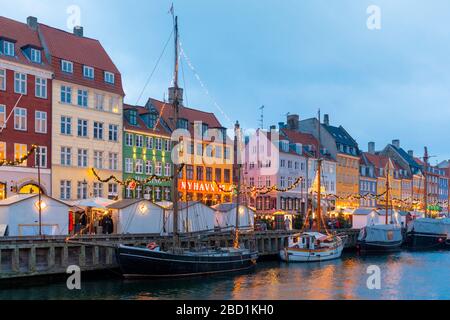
[
  {"x": 137, "y": 262},
  {"x": 379, "y": 247},
  {"x": 426, "y": 241}
]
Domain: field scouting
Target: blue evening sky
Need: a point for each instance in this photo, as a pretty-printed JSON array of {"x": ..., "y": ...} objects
[{"x": 291, "y": 56}]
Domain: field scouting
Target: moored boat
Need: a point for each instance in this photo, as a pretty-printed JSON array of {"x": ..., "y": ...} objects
[
  {"x": 380, "y": 239},
  {"x": 312, "y": 247},
  {"x": 428, "y": 233}
]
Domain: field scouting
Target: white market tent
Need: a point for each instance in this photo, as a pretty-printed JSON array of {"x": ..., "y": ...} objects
[
  {"x": 193, "y": 216},
  {"x": 225, "y": 215},
  {"x": 99, "y": 203},
  {"x": 20, "y": 214},
  {"x": 137, "y": 216}
]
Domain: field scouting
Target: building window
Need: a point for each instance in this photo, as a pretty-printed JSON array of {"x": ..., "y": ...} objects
[
  {"x": 113, "y": 132},
  {"x": 2, "y": 150},
  {"x": 139, "y": 166},
  {"x": 20, "y": 151},
  {"x": 167, "y": 145},
  {"x": 113, "y": 161},
  {"x": 66, "y": 156},
  {"x": 82, "y": 190},
  {"x": 20, "y": 83},
  {"x": 128, "y": 139},
  {"x": 139, "y": 141},
  {"x": 40, "y": 123},
  {"x": 66, "y": 66},
  {"x": 200, "y": 174},
  {"x": 35, "y": 55},
  {"x": 8, "y": 48},
  {"x": 88, "y": 72},
  {"x": 66, "y": 125},
  {"x": 112, "y": 190},
  {"x": 218, "y": 175},
  {"x": 167, "y": 169},
  {"x": 98, "y": 159},
  {"x": 148, "y": 167},
  {"x": 2, "y": 116},
  {"x": 158, "y": 144},
  {"x": 82, "y": 128},
  {"x": 98, "y": 190},
  {"x": 226, "y": 176},
  {"x": 2, "y": 79},
  {"x": 83, "y": 98},
  {"x": 99, "y": 101},
  {"x": 82, "y": 158},
  {"x": 20, "y": 119},
  {"x": 40, "y": 157},
  {"x": 128, "y": 165},
  {"x": 189, "y": 172},
  {"x": 109, "y": 77},
  {"x": 65, "y": 189},
  {"x": 66, "y": 94},
  {"x": 114, "y": 105},
  {"x": 98, "y": 130},
  {"x": 158, "y": 169},
  {"x": 41, "y": 88}
]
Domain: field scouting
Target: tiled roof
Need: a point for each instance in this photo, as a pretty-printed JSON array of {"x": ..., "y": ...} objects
[
  {"x": 305, "y": 139},
  {"x": 341, "y": 136},
  {"x": 141, "y": 125},
  {"x": 23, "y": 35},
  {"x": 81, "y": 51},
  {"x": 184, "y": 113},
  {"x": 378, "y": 161},
  {"x": 410, "y": 160}
]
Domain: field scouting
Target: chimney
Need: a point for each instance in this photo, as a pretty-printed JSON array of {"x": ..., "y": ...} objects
[
  {"x": 172, "y": 95},
  {"x": 326, "y": 119},
  {"x": 293, "y": 122},
  {"x": 411, "y": 153},
  {"x": 78, "y": 31},
  {"x": 273, "y": 128},
  {"x": 396, "y": 143},
  {"x": 371, "y": 147},
  {"x": 281, "y": 125},
  {"x": 32, "y": 22}
]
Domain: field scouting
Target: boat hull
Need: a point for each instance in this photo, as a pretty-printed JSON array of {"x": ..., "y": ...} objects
[
  {"x": 379, "y": 247},
  {"x": 426, "y": 241},
  {"x": 138, "y": 262},
  {"x": 295, "y": 255}
]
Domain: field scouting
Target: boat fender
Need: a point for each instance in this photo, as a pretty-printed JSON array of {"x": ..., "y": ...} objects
[{"x": 152, "y": 246}]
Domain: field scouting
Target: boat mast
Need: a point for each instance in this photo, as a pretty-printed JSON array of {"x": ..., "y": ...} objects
[
  {"x": 175, "y": 106},
  {"x": 237, "y": 139},
  {"x": 387, "y": 193},
  {"x": 425, "y": 159},
  {"x": 319, "y": 173}
]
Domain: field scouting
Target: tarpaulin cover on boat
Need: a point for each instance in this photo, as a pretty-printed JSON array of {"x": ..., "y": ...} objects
[
  {"x": 433, "y": 226},
  {"x": 381, "y": 232}
]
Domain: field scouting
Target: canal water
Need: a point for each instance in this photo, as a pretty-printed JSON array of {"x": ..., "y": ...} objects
[{"x": 405, "y": 275}]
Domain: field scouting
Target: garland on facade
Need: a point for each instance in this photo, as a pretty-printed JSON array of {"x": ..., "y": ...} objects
[
  {"x": 5, "y": 162},
  {"x": 134, "y": 182}
]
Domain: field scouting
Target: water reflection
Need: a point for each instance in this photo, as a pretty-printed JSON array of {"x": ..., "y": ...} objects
[{"x": 405, "y": 275}]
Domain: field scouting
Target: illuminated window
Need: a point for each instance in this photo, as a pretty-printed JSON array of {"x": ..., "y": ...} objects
[
  {"x": 40, "y": 123},
  {"x": 20, "y": 151},
  {"x": 2, "y": 150},
  {"x": 2, "y": 116}
]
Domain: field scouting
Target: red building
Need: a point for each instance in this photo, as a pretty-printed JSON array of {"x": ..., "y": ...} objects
[{"x": 25, "y": 108}]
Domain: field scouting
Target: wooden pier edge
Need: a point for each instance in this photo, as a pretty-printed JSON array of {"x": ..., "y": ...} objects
[{"x": 24, "y": 257}]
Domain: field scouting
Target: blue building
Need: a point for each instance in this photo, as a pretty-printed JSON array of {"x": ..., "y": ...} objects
[
  {"x": 443, "y": 191},
  {"x": 367, "y": 182}
]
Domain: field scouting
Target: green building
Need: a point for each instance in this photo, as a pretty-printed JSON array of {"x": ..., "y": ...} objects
[{"x": 146, "y": 152}]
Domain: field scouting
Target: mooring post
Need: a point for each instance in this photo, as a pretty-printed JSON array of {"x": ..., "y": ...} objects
[
  {"x": 32, "y": 259},
  {"x": 15, "y": 260},
  {"x": 82, "y": 257},
  {"x": 51, "y": 257}
]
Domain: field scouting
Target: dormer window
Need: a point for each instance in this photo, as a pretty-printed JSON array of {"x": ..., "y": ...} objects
[
  {"x": 66, "y": 66},
  {"x": 132, "y": 116},
  {"x": 35, "y": 55},
  {"x": 182, "y": 124},
  {"x": 8, "y": 48},
  {"x": 204, "y": 129},
  {"x": 88, "y": 72},
  {"x": 109, "y": 77}
]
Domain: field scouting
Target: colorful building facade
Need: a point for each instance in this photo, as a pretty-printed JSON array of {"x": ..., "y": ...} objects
[
  {"x": 146, "y": 153},
  {"x": 25, "y": 109},
  {"x": 87, "y": 105}
]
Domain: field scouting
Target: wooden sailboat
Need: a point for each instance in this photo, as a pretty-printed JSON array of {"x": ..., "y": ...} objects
[
  {"x": 151, "y": 261},
  {"x": 381, "y": 238},
  {"x": 314, "y": 246}
]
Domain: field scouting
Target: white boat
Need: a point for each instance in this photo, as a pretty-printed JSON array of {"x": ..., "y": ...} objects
[{"x": 312, "y": 247}]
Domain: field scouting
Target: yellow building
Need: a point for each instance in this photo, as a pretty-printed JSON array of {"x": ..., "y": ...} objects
[
  {"x": 347, "y": 181},
  {"x": 86, "y": 116}
]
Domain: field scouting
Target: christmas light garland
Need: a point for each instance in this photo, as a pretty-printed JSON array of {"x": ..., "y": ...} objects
[{"x": 5, "y": 162}]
